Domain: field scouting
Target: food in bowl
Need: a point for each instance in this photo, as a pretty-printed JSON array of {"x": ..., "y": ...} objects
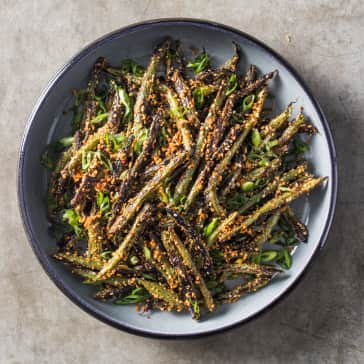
[{"x": 174, "y": 190}]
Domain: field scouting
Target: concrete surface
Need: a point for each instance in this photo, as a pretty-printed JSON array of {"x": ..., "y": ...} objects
[{"x": 322, "y": 320}]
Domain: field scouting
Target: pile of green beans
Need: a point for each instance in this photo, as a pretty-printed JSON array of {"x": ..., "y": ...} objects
[{"x": 173, "y": 190}]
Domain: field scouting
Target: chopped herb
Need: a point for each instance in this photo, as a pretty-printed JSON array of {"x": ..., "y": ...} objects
[
  {"x": 99, "y": 118},
  {"x": 263, "y": 162},
  {"x": 217, "y": 256},
  {"x": 268, "y": 256},
  {"x": 103, "y": 158},
  {"x": 147, "y": 253},
  {"x": 236, "y": 201},
  {"x": 256, "y": 138},
  {"x": 271, "y": 144},
  {"x": 106, "y": 254},
  {"x": 163, "y": 196},
  {"x": 195, "y": 306},
  {"x": 300, "y": 147},
  {"x": 200, "y": 93},
  {"x": 248, "y": 102},
  {"x": 143, "y": 134},
  {"x": 116, "y": 141},
  {"x": 284, "y": 259},
  {"x": 248, "y": 186},
  {"x": 103, "y": 202},
  {"x": 101, "y": 104},
  {"x": 182, "y": 199},
  {"x": 149, "y": 276},
  {"x": 285, "y": 189},
  {"x": 86, "y": 159},
  {"x": 134, "y": 260},
  {"x": 137, "y": 295},
  {"x": 66, "y": 141},
  {"x": 211, "y": 226},
  {"x": 73, "y": 219},
  {"x": 199, "y": 63},
  {"x": 291, "y": 240},
  {"x": 125, "y": 100},
  {"x": 169, "y": 195},
  {"x": 129, "y": 66},
  {"x": 232, "y": 85},
  {"x": 256, "y": 258},
  {"x": 199, "y": 97}
]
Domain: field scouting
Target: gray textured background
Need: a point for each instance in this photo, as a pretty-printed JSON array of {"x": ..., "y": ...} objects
[{"x": 322, "y": 320}]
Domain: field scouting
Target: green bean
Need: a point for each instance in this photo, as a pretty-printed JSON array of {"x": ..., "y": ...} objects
[
  {"x": 200, "y": 92},
  {"x": 291, "y": 130},
  {"x": 256, "y": 175},
  {"x": 94, "y": 238},
  {"x": 174, "y": 179},
  {"x": 217, "y": 173},
  {"x": 251, "y": 75},
  {"x": 276, "y": 122},
  {"x": 194, "y": 239},
  {"x": 94, "y": 139},
  {"x": 298, "y": 227},
  {"x": 132, "y": 207},
  {"x": 146, "y": 86},
  {"x": 90, "y": 106},
  {"x": 267, "y": 232},
  {"x": 273, "y": 204},
  {"x": 91, "y": 278},
  {"x": 188, "y": 261},
  {"x": 221, "y": 125},
  {"x": 188, "y": 285},
  {"x": 178, "y": 115},
  {"x": 143, "y": 158},
  {"x": 109, "y": 292},
  {"x": 272, "y": 187},
  {"x": 237, "y": 292},
  {"x": 186, "y": 98},
  {"x": 122, "y": 251},
  {"x": 232, "y": 63},
  {"x": 236, "y": 270},
  {"x": 225, "y": 223},
  {"x": 200, "y": 181},
  {"x": 186, "y": 179},
  {"x": 93, "y": 263},
  {"x": 208, "y": 128},
  {"x": 162, "y": 293},
  {"x": 62, "y": 161},
  {"x": 253, "y": 86}
]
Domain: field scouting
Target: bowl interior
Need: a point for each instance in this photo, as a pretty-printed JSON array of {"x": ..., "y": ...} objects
[{"x": 48, "y": 122}]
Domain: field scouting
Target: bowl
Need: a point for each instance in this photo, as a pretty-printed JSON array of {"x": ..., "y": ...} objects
[{"x": 48, "y": 122}]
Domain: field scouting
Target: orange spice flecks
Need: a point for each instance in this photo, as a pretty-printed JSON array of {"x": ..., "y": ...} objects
[{"x": 77, "y": 176}]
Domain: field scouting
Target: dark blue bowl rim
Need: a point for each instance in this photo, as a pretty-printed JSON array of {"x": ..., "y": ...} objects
[{"x": 24, "y": 209}]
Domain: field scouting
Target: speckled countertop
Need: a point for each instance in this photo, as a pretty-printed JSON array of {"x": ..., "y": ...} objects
[{"x": 322, "y": 319}]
